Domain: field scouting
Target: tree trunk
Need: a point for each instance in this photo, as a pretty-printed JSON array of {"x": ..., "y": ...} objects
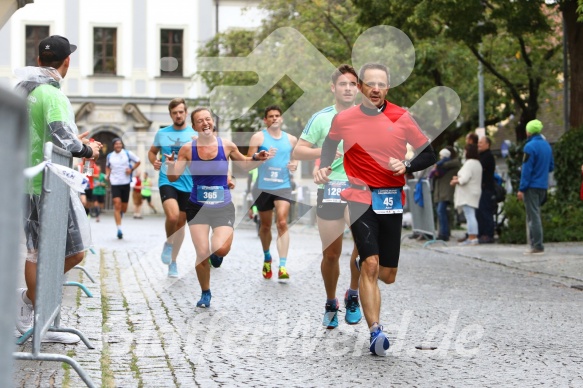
[{"x": 575, "y": 49}]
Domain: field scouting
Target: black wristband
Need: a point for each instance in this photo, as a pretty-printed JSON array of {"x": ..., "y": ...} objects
[
  {"x": 89, "y": 151},
  {"x": 86, "y": 152},
  {"x": 253, "y": 156}
]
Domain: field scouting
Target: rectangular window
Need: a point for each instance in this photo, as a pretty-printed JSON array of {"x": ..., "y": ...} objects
[
  {"x": 171, "y": 50},
  {"x": 34, "y": 34},
  {"x": 105, "y": 50}
]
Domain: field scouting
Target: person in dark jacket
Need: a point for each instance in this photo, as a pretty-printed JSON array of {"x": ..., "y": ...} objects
[
  {"x": 445, "y": 169},
  {"x": 487, "y": 207},
  {"x": 534, "y": 182}
]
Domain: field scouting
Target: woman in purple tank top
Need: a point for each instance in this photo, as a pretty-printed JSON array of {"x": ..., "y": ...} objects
[{"x": 209, "y": 206}]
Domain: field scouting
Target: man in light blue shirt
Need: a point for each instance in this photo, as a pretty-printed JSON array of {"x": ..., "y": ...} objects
[{"x": 174, "y": 195}]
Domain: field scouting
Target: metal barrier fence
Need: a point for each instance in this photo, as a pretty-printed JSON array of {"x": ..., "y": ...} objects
[
  {"x": 53, "y": 213},
  {"x": 422, "y": 216},
  {"x": 13, "y": 125}
]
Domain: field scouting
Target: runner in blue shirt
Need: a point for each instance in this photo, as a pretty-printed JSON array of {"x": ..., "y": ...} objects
[
  {"x": 174, "y": 195},
  {"x": 273, "y": 186}
]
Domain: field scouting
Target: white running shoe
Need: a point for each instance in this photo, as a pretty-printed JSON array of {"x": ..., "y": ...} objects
[
  {"x": 60, "y": 337},
  {"x": 25, "y": 314}
]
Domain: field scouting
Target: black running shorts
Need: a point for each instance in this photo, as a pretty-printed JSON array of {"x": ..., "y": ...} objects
[
  {"x": 329, "y": 211},
  {"x": 170, "y": 192},
  {"x": 265, "y": 200},
  {"x": 121, "y": 191},
  {"x": 376, "y": 234}
]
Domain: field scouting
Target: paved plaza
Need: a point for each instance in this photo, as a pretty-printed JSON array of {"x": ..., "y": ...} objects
[{"x": 457, "y": 316}]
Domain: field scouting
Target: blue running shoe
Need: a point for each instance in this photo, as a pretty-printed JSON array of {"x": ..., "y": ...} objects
[
  {"x": 331, "y": 315},
  {"x": 119, "y": 234},
  {"x": 353, "y": 314},
  {"x": 215, "y": 260},
  {"x": 205, "y": 299},
  {"x": 167, "y": 253},
  {"x": 379, "y": 342},
  {"x": 173, "y": 270}
]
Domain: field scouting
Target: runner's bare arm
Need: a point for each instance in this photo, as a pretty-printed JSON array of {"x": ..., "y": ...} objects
[
  {"x": 254, "y": 143},
  {"x": 304, "y": 150},
  {"x": 293, "y": 163},
  {"x": 153, "y": 157},
  {"x": 246, "y": 162},
  {"x": 177, "y": 166}
]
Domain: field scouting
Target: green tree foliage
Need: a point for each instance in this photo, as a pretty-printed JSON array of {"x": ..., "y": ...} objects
[
  {"x": 518, "y": 51},
  {"x": 329, "y": 25},
  {"x": 568, "y": 161}
]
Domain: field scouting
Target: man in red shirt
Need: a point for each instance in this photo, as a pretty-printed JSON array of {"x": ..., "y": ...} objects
[{"x": 375, "y": 135}]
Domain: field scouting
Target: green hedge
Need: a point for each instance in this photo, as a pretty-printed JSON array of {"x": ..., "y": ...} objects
[
  {"x": 568, "y": 154},
  {"x": 562, "y": 221}
]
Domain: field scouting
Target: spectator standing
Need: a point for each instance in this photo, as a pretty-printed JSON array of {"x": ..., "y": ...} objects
[
  {"x": 534, "y": 182},
  {"x": 487, "y": 207},
  {"x": 444, "y": 171},
  {"x": 468, "y": 189},
  {"x": 51, "y": 118}
]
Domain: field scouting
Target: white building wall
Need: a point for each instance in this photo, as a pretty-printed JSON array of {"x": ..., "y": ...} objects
[
  {"x": 138, "y": 79},
  {"x": 45, "y": 12}
]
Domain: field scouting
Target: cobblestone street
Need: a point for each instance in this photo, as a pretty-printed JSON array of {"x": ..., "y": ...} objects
[{"x": 490, "y": 325}]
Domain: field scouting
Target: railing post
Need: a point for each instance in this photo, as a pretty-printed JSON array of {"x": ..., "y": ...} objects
[{"x": 14, "y": 134}]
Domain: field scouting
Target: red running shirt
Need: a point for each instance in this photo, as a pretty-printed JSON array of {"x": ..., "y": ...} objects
[{"x": 369, "y": 143}]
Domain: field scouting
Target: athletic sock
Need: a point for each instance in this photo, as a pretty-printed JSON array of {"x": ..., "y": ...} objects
[
  {"x": 331, "y": 302},
  {"x": 352, "y": 292},
  {"x": 267, "y": 256},
  {"x": 374, "y": 327},
  {"x": 282, "y": 261}
]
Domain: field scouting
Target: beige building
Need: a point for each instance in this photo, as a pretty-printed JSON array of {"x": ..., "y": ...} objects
[{"x": 133, "y": 57}]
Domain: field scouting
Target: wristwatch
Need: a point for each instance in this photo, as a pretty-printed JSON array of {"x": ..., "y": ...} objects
[{"x": 407, "y": 165}]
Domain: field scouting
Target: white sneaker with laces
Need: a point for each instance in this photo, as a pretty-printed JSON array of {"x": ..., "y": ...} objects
[
  {"x": 468, "y": 241},
  {"x": 60, "y": 337},
  {"x": 25, "y": 315}
]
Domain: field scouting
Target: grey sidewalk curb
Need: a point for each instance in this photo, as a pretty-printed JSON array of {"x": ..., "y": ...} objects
[{"x": 493, "y": 258}]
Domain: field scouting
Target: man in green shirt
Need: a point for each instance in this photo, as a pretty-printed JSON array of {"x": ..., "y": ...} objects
[
  {"x": 99, "y": 191},
  {"x": 51, "y": 118},
  {"x": 331, "y": 210},
  {"x": 147, "y": 191}
]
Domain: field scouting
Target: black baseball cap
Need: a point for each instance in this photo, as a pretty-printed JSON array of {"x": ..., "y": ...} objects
[{"x": 58, "y": 45}]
